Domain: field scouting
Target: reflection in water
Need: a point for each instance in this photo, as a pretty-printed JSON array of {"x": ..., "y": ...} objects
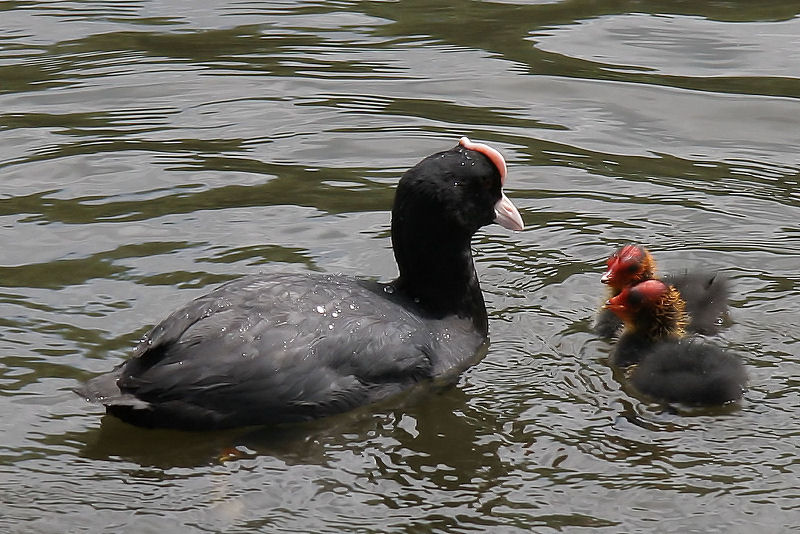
[{"x": 152, "y": 151}]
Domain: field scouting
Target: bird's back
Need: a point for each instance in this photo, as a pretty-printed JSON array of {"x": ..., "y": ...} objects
[
  {"x": 281, "y": 347},
  {"x": 690, "y": 371},
  {"x": 706, "y": 294}
]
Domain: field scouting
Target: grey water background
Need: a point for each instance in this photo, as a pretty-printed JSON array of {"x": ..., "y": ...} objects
[{"x": 152, "y": 150}]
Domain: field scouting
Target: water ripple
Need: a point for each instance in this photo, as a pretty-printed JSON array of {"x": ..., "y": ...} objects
[{"x": 150, "y": 151}]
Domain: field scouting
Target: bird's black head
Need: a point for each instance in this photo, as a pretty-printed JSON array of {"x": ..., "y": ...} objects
[
  {"x": 460, "y": 189},
  {"x": 440, "y": 203}
]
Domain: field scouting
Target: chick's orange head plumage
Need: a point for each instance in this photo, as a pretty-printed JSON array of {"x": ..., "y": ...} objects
[
  {"x": 652, "y": 307},
  {"x": 627, "y": 266}
]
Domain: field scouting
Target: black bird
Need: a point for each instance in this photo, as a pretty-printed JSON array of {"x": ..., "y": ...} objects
[
  {"x": 704, "y": 292},
  {"x": 662, "y": 362},
  {"x": 273, "y": 348}
]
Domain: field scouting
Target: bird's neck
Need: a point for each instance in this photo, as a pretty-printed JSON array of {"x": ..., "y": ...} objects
[
  {"x": 437, "y": 272},
  {"x": 667, "y": 321}
]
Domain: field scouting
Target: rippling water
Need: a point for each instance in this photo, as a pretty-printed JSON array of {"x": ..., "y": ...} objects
[{"x": 151, "y": 150}]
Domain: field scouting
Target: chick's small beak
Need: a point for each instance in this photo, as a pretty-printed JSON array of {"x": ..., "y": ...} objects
[
  {"x": 614, "y": 303},
  {"x": 507, "y": 215},
  {"x": 606, "y": 278}
]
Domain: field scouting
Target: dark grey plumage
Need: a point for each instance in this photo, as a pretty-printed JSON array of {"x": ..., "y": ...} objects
[
  {"x": 282, "y": 347},
  {"x": 661, "y": 361},
  {"x": 689, "y": 371},
  {"x": 276, "y": 348}
]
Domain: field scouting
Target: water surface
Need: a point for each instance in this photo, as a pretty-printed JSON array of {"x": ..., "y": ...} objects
[{"x": 152, "y": 150}]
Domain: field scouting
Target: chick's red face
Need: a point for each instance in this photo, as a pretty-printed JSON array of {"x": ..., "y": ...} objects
[
  {"x": 643, "y": 296},
  {"x": 620, "y": 305},
  {"x": 626, "y": 266}
]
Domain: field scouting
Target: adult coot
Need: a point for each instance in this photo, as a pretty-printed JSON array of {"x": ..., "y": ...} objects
[
  {"x": 667, "y": 365},
  {"x": 272, "y": 348},
  {"x": 705, "y": 293}
]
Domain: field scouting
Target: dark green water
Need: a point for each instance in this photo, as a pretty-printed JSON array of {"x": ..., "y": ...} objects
[{"x": 151, "y": 150}]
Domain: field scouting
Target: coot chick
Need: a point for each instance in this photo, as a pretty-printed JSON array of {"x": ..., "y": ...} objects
[
  {"x": 273, "y": 348},
  {"x": 705, "y": 293},
  {"x": 667, "y": 365}
]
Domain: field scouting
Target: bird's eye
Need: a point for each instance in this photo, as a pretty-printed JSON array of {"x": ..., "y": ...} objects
[{"x": 486, "y": 182}]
